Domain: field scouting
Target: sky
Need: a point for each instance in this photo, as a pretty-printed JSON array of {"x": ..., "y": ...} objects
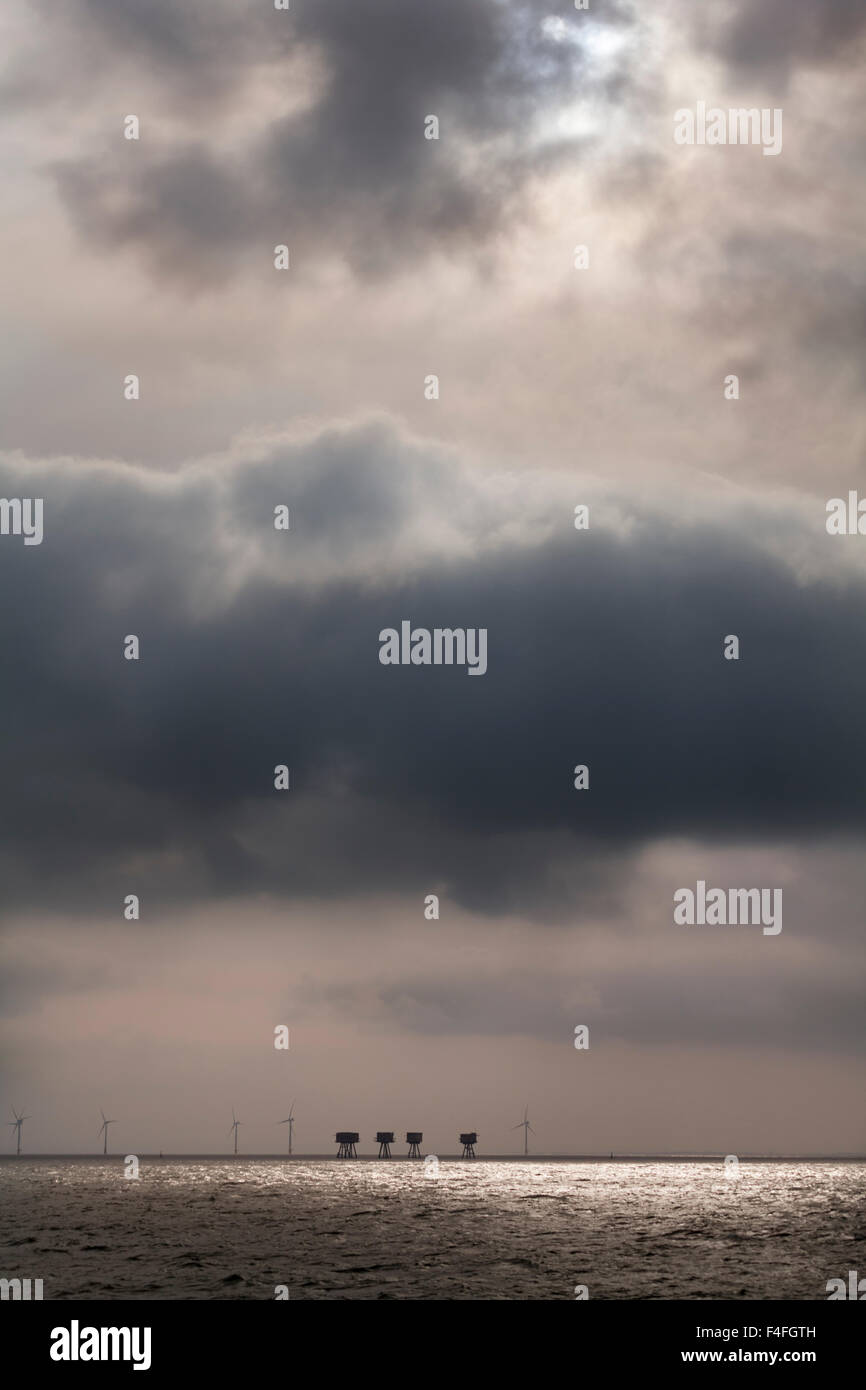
[{"x": 560, "y": 385}]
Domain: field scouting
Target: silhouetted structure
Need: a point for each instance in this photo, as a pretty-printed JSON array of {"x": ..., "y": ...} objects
[
  {"x": 18, "y": 1124},
  {"x": 290, "y": 1121},
  {"x": 413, "y": 1139},
  {"x": 104, "y": 1131},
  {"x": 385, "y": 1138},
  {"x": 527, "y": 1130},
  {"x": 347, "y": 1139},
  {"x": 469, "y": 1141}
]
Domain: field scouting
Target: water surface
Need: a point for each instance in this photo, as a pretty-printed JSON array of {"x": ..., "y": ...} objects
[{"x": 235, "y": 1228}]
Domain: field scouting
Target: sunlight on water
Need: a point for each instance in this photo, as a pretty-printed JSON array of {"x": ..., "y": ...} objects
[{"x": 237, "y": 1228}]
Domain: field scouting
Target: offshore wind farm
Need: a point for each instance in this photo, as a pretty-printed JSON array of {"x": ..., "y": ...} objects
[
  {"x": 346, "y": 1140},
  {"x": 463, "y": 1144},
  {"x": 381, "y": 1218}
]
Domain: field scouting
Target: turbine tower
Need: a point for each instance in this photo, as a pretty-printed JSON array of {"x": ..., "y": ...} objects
[
  {"x": 235, "y": 1127},
  {"x": 291, "y": 1123},
  {"x": 17, "y": 1124},
  {"x": 104, "y": 1131},
  {"x": 527, "y": 1130}
]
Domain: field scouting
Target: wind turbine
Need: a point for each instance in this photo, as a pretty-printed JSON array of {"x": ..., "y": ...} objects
[
  {"x": 290, "y": 1122},
  {"x": 527, "y": 1129},
  {"x": 234, "y": 1129},
  {"x": 17, "y": 1124},
  {"x": 104, "y": 1131}
]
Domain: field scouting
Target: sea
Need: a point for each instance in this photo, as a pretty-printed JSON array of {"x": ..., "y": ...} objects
[{"x": 201, "y": 1228}]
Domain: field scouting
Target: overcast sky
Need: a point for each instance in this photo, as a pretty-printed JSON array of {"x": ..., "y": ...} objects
[{"x": 558, "y": 386}]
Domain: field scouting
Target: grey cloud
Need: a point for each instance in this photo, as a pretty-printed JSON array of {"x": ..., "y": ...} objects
[
  {"x": 740, "y": 1004},
  {"x": 353, "y": 176},
  {"x": 603, "y": 648},
  {"x": 24, "y": 986},
  {"x": 776, "y": 35}
]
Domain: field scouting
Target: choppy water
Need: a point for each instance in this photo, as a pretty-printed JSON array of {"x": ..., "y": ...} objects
[{"x": 237, "y": 1228}]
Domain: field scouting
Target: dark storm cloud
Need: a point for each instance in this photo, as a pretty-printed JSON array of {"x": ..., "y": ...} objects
[
  {"x": 604, "y": 649},
  {"x": 774, "y": 36},
  {"x": 352, "y": 175}
]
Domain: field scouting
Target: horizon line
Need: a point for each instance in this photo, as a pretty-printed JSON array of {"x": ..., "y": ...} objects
[{"x": 671, "y": 1155}]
